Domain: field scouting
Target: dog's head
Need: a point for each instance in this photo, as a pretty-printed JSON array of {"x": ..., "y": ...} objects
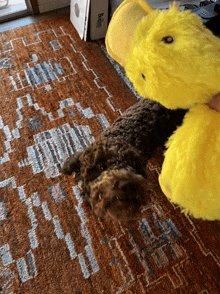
[
  {"x": 113, "y": 179},
  {"x": 119, "y": 195}
]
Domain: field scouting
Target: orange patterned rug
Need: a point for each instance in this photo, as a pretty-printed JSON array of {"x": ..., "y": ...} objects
[{"x": 57, "y": 94}]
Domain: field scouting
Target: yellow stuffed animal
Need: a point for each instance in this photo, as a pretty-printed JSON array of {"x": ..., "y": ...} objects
[{"x": 173, "y": 59}]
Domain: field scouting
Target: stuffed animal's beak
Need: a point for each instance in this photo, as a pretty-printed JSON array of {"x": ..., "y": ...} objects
[{"x": 122, "y": 27}]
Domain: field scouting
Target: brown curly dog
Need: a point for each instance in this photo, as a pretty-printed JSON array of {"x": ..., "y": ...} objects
[{"x": 112, "y": 170}]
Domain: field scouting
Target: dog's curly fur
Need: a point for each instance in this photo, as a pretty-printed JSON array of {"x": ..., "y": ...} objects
[{"x": 112, "y": 170}]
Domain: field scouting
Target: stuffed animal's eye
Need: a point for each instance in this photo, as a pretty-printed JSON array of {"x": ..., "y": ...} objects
[
  {"x": 168, "y": 40},
  {"x": 143, "y": 76}
]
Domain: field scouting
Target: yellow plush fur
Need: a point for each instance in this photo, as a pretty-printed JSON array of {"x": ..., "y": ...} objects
[
  {"x": 178, "y": 75},
  {"x": 183, "y": 74},
  {"x": 190, "y": 173}
]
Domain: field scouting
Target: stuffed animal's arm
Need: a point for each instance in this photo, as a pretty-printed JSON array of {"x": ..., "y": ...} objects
[{"x": 190, "y": 173}]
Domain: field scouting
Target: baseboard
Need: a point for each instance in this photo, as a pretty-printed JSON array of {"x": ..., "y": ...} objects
[{"x": 53, "y": 5}]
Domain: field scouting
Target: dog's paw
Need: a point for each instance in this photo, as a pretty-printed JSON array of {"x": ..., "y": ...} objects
[
  {"x": 66, "y": 169},
  {"x": 72, "y": 164}
]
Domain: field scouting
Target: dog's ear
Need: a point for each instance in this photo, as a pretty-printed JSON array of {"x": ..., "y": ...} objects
[{"x": 72, "y": 164}]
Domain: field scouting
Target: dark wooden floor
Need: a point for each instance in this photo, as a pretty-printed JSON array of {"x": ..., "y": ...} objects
[
  {"x": 32, "y": 18},
  {"x": 165, "y": 3},
  {"x": 154, "y": 3}
]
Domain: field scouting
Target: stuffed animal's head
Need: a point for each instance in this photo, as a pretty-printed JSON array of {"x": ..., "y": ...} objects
[{"x": 173, "y": 59}]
